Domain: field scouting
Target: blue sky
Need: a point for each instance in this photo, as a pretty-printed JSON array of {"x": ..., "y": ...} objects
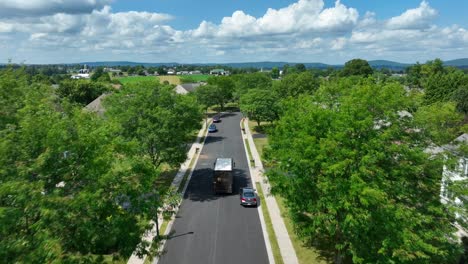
[
  {"x": 44, "y": 31},
  {"x": 190, "y": 13}
]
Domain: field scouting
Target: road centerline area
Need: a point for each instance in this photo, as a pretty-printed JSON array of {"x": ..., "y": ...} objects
[{"x": 224, "y": 231}]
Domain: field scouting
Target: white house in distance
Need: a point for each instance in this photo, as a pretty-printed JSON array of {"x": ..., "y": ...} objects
[
  {"x": 82, "y": 74},
  {"x": 451, "y": 175},
  {"x": 219, "y": 72}
]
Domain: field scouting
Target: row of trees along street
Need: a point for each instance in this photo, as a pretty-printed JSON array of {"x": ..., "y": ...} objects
[
  {"x": 76, "y": 187},
  {"x": 347, "y": 153}
]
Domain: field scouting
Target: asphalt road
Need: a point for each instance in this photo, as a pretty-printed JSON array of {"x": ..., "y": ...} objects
[{"x": 213, "y": 229}]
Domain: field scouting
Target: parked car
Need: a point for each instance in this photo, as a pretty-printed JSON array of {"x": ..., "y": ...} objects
[
  {"x": 248, "y": 197},
  {"x": 216, "y": 119},
  {"x": 212, "y": 128}
]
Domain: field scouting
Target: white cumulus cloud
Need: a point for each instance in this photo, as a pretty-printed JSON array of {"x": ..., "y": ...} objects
[
  {"x": 303, "y": 17},
  {"x": 420, "y": 17}
]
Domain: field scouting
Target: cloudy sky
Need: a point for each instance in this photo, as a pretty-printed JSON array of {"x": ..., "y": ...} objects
[{"x": 187, "y": 31}]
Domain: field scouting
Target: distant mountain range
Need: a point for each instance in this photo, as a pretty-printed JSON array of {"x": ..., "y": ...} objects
[{"x": 378, "y": 64}]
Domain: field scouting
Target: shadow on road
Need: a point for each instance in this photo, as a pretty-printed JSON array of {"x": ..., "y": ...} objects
[
  {"x": 200, "y": 187},
  {"x": 211, "y": 138},
  {"x": 171, "y": 234},
  {"x": 223, "y": 115}
]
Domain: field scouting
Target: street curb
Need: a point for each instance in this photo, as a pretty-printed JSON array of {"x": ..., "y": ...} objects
[
  {"x": 287, "y": 250},
  {"x": 266, "y": 236}
]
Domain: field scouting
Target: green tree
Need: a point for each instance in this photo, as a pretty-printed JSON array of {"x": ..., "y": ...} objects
[
  {"x": 206, "y": 95},
  {"x": 160, "y": 120},
  {"x": 81, "y": 91},
  {"x": 461, "y": 98},
  {"x": 357, "y": 67},
  {"x": 355, "y": 177},
  {"x": 70, "y": 186},
  {"x": 259, "y": 105},
  {"x": 440, "y": 121},
  {"x": 295, "y": 84},
  {"x": 224, "y": 90},
  {"x": 100, "y": 75},
  {"x": 300, "y": 67},
  {"x": 440, "y": 86},
  {"x": 244, "y": 82},
  {"x": 275, "y": 73}
]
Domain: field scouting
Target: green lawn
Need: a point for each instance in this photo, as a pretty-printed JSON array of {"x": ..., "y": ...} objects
[
  {"x": 269, "y": 227},
  {"x": 195, "y": 78},
  {"x": 305, "y": 255},
  {"x": 130, "y": 79}
]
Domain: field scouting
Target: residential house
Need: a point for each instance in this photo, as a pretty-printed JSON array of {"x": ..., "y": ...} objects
[
  {"x": 451, "y": 174},
  {"x": 219, "y": 72},
  {"x": 186, "y": 88}
]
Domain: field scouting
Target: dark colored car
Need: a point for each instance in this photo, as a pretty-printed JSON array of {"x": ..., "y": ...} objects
[
  {"x": 248, "y": 197},
  {"x": 212, "y": 128},
  {"x": 216, "y": 119}
]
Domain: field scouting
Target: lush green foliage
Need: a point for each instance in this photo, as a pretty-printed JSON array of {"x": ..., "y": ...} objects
[
  {"x": 295, "y": 84},
  {"x": 222, "y": 89},
  {"x": 440, "y": 121},
  {"x": 356, "y": 177},
  {"x": 244, "y": 82},
  {"x": 357, "y": 67},
  {"x": 461, "y": 98},
  {"x": 74, "y": 186},
  {"x": 100, "y": 76},
  {"x": 153, "y": 115},
  {"x": 275, "y": 73},
  {"x": 81, "y": 91},
  {"x": 259, "y": 105}
]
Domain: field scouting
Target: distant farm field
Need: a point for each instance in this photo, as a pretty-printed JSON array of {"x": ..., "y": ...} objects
[
  {"x": 131, "y": 79},
  {"x": 195, "y": 78},
  {"x": 170, "y": 78}
]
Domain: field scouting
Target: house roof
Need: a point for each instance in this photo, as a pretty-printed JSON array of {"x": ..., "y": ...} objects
[
  {"x": 186, "y": 88},
  {"x": 96, "y": 105},
  {"x": 452, "y": 147}
]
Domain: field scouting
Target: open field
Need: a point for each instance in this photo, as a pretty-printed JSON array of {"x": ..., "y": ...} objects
[
  {"x": 170, "y": 78},
  {"x": 130, "y": 79},
  {"x": 195, "y": 78}
]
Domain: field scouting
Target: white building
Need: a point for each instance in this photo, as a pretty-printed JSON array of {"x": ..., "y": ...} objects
[
  {"x": 454, "y": 173},
  {"x": 82, "y": 74}
]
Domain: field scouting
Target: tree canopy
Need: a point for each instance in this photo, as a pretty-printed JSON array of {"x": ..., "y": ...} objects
[
  {"x": 153, "y": 115},
  {"x": 75, "y": 186},
  {"x": 355, "y": 175},
  {"x": 259, "y": 105},
  {"x": 81, "y": 91},
  {"x": 357, "y": 67}
]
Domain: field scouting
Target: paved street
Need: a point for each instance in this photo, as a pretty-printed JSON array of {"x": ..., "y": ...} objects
[{"x": 212, "y": 229}]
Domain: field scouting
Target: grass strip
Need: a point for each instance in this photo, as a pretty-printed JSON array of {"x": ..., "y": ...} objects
[
  {"x": 305, "y": 254},
  {"x": 251, "y": 160},
  {"x": 269, "y": 227},
  {"x": 187, "y": 173}
]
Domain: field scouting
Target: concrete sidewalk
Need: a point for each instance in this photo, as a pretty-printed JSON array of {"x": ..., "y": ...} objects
[
  {"x": 196, "y": 148},
  {"x": 284, "y": 242}
]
